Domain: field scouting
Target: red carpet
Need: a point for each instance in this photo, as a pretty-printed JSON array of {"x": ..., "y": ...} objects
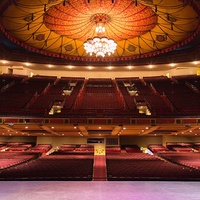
[{"x": 99, "y": 168}]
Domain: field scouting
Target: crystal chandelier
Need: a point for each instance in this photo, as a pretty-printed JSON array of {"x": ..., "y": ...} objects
[{"x": 100, "y": 45}]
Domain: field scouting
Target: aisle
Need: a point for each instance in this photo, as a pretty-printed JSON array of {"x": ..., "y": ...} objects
[{"x": 99, "y": 168}]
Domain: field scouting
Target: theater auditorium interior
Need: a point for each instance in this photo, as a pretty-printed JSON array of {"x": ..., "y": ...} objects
[{"x": 99, "y": 99}]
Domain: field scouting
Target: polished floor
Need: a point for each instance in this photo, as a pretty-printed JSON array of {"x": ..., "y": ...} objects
[{"x": 99, "y": 190}]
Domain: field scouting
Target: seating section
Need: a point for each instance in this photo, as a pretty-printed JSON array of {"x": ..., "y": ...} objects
[
  {"x": 15, "y": 146},
  {"x": 43, "y": 148},
  {"x": 192, "y": 81},
  {"x": 73, "y": 162},
  {"x": 100, "y": 94},
  {"x": 131, "y": 148},
  {"x": 182, "y": 97},
  {"x": 52, "y": 167},
  {"x": 74, "y": 149},
  {"x": 7, "y": 80},
  {"x": 99, "y": 97},
  {"x": 12, "y": 159},
  {"x": 140, "y": 166},
  {"x": 113, "y": 149},
  {"x": 18, "y": 147},
  {"x": 191, "y": 160},
  {"x": 143, "y": 95},
  {"x": 196, "y": 146},
  {"x": 180, "y": 146},
  {"x": 156, "y": 148}
]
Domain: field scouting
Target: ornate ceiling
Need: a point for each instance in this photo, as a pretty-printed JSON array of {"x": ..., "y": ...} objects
[{"x": 141, "y": 28}]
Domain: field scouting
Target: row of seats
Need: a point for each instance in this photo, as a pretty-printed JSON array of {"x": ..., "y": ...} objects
[
  {"x": 188, "y": 159},
  {"x": 52, "y": 167},
  {"x": 34, "y": 96},
  {"x": 148, "y": 167},
  {"x": 119, "y": 165}
]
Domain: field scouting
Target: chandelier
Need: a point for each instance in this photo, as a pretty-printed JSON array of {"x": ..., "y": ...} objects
[{"x": 100, "y": 45}]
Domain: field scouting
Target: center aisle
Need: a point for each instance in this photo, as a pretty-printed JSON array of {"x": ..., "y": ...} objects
[{"x": 99, "y": 168}]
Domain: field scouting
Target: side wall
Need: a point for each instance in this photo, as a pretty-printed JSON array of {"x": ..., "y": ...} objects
[
  {"x": 143, "y": 141},
  {"x": 101, "y": 74}
]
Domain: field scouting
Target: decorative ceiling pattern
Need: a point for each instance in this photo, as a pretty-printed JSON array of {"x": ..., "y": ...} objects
[{"x": 141, "y": 28}]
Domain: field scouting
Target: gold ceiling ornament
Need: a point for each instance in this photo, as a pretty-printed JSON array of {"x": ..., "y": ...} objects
[
  {"x": 142, "y": 28},
  {"x": 100, "y": 45}
]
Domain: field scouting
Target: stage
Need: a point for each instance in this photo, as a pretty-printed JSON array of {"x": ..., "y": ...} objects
[{"x": 99, "y": 190}]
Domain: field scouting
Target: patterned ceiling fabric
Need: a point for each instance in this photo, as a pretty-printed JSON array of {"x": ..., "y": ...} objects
[{"x": 141, "y": 28}]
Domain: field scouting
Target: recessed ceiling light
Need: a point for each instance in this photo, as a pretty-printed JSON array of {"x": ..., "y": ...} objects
[
  {"x": 90, "y": 67},
  {"x": 172, "y": 64},
  {"x": 50, "y": 66},
  {"x": 130, "y": 67},
  {"x": 150, "y": 66},
  {"x": 70, "y": 67},
  {"x": 27, "y": 64},
  {"x": 195, "y": 62},
  {"x": 110, "y": 67},
  {"x": 4, "y": 61}
]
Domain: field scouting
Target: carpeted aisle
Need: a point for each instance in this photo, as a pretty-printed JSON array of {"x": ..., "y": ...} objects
[{"x": 99, "y": 168}]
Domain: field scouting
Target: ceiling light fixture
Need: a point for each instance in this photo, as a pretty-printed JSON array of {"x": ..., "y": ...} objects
[{"x": 100, "y": 45}]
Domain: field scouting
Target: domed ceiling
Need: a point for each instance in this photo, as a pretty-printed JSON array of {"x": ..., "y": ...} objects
[{"x": 141, "y": 28}]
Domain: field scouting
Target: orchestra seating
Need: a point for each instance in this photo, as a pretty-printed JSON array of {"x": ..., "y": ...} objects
[
  {"x": 188, "y": 159},
  {"x": 12, "y": 159},
  {"x": 196, "y": 146},
  {"x": 113, "y": 149},
  {"x": 140, "y": 166},
  {"x": 53, "y": 167},
  {"x": 74, "y": 149},
  {"x": 43, "y": 148},
  {"x": 76, "y": 162},
  {"x": 180, "y": 146},
  {"x": 131, "y": 148},
  {"x": 155, "y": 148},
  {"x": 15, "y": 146}
]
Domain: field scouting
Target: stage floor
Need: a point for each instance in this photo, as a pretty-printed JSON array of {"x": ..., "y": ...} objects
[{"x": 99, "y": 190}]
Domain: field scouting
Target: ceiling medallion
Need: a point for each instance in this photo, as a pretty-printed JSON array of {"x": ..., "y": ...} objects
[{"x": 100, "y": 45}]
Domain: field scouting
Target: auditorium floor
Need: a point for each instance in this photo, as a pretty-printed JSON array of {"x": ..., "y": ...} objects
[{"x": 99, "y": 190}]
